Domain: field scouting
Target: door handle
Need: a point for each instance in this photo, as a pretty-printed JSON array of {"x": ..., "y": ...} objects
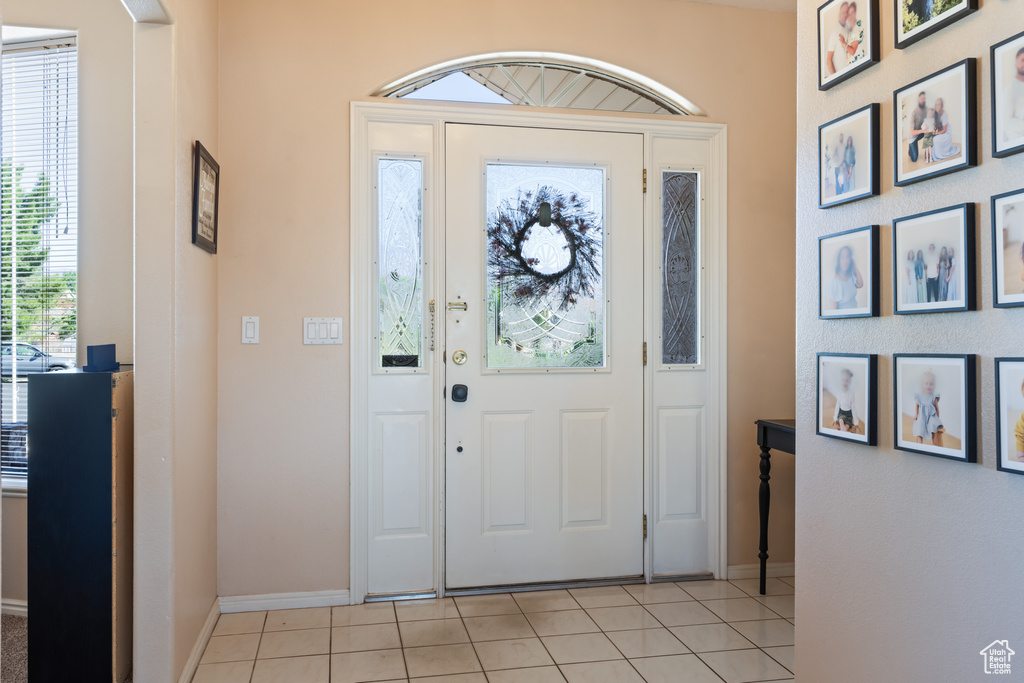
[{"x": 460, "y": 392}]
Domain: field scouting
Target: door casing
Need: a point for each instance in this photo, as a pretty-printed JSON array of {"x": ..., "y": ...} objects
[{"x": 713, "y": 300}]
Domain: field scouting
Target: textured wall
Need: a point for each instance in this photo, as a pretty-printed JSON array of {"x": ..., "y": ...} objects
[
  {"x": 908, "y": 564},
  {"x": 288, "y": 73}
]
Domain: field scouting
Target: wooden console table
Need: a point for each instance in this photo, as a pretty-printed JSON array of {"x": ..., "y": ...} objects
[{"x": 780, "y": 435}]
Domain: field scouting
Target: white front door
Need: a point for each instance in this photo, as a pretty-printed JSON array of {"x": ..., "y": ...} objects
[{"x": 544, "y": 315}]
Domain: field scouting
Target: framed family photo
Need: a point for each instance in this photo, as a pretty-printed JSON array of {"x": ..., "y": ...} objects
[
  {"x": 847, "y": 39},
  {"x": 1008, "y": 249},
  {"x": 848, "y": 274},
  {"x": 848, "y": 157},
  {"x": 1008, "y": 96},
  {"x": 935, "y": 405},
  {"x": 933, "y": 261},
  {"x": 935, "y": 124},
  {"x": 1010, "y": 415},
  {"x": 916, "y": 19},
  {"x": 848, "y": 397},
  {"x": 205, "y": 199}
]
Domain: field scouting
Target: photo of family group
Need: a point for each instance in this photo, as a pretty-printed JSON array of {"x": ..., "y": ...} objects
[
  {"x": 932, "y": 263},
  {"x": 1010, "y": 414},
  {"x": 934, "y": 405},
  {"x": 1008, "y": 248},
  {"x": 1008, "y": 96},
  {"x": 848, "y": 273},
  {"x": 847, "y": 41},
  {"x": 916, "y": 19},
  {"x": 934, "y": 120},
  {"x": 846, "y": 397},
  {"x": 848, "y": 161}
]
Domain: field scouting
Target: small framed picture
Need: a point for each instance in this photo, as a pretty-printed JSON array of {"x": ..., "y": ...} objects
[
  {"x": 1010, "y": 415},
  {"x": 933, "y": 261},
  {"x": 1008, "y": 249},
  {"x": 847, "y": 40},
  {"x": 848, "y": 157},
  {"x": 848, "y": 397},
  {"x": 1008, "y": 96},
  {"x": 916, "y": 19},
  {"x": 935, "y": 405},
  {"x": 205, "y": 199},
  {"x": 936, "y": 125},
  {"x": 848, "y": 274}
]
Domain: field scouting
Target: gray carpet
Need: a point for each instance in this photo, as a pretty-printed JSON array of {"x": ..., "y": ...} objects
[{"x": 14, "y": 649}]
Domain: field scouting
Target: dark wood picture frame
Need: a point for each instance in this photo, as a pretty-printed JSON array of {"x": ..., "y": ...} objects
[
  {"x": 874, "y": 163},
  {"x": 967, "y": 260},
  {"x": 871, "y": 279},
  {"x": 870, "y": 437},
  {"x": 873, "y": 52},
  {"x": 930, "y": 26},
  {"x": 969, "y": 95},
  {"x": 997, "y": 249},
  {"x": 204, "y": 163},
  {"x": 968, "y": 401},
  {"x": 995, "y": 101},
  {"x": 1000, "y": 414}
]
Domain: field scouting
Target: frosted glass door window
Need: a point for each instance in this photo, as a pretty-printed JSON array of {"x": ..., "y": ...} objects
[
  {"x": 545, "y": 267},
  {"x": 680, "y": 267},
  {"x": 400, "y": 262}
]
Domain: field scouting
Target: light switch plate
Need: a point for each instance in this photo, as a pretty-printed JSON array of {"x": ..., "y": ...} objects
[
  {"x": 250, "y": 329},
  {"x": 321, "y": 331}
]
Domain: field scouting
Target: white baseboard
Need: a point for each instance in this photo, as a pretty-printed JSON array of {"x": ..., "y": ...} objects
[
  {"x": 753, "y": 571},
  {"x": 256, "y": 603},
  {"x": 200, "y": 646},
  {"x": 17, "y": 608}
]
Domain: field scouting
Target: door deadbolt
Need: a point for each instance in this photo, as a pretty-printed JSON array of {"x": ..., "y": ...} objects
[{"x": 460, "y": 357}]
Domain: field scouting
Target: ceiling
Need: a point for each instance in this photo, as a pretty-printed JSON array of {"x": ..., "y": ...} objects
[{"x": 774, "y": 5}]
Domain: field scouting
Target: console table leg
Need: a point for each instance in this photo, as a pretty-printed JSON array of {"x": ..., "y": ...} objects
[{"x": 764, "y": 498}]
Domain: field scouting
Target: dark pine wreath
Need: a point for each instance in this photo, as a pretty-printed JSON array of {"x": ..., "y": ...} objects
[{"x": 509, "y": 229}]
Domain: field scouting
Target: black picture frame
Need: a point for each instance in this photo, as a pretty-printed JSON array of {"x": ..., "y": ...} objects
[
  {"x": 869, "y": 364},
  {"x": 1003, "y": 463},
  {"x": 930, "y": 26},
  {"x": 967, "y": 363},
  {"x": 871, "y": 279},
  {"x": 205, "y": 210},
  {"x": 1000, "y": 297},
  {"x": 968, "y": 114},
  {"x": 1016, "y": 144},
  {"x": 828, "y": 170},
  {"x": 873, "y": 53},
  {"x": 966, "y": 213}
]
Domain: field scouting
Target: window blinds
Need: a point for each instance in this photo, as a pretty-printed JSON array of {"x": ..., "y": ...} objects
[{"x": 39, "y": 250}]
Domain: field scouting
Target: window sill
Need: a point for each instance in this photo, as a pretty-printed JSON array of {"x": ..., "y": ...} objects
[{"x": 15, "y": 487}]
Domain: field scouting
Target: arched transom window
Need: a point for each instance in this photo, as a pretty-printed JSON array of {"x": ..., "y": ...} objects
[{"x": 541, "y": 80}]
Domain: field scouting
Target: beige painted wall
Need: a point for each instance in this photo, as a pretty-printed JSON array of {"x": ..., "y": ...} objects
[
  {"x": 907, "y": 563},
  {"x": 288, "y": 74}
]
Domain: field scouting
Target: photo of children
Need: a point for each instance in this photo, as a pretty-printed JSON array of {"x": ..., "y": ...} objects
[
  {"x": 843, "y": 397},
  {"x": 1008, "y": 241},
  {"x": 846, "y": 163},
  {"x": 930, "y": 269},
  {"x": 1010, "y": 414},
  {"x": 843, "y": 38},
  {"x": 845, "y": 274},
  {"x": 932, "y": 117},
  {"x": 931, "y": 405},
  {"x": 1008, "y": 95}
]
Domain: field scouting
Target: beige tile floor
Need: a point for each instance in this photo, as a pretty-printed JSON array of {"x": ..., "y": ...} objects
[{"x": 693, "y": 632}]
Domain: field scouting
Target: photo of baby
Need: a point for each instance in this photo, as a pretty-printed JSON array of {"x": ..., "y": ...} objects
[
  {"x": 1010, "y": 414},
  {"x": 846, "y": 273},
  {"x": 932, "y": 398},
  {"x": 1008, "y": 248},
  {"x": 846, "y": 400},
  {"x": 932, "y": 269}
]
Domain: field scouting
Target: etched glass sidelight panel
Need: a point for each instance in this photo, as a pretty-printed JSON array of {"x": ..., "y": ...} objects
[
  {"x": 545, "y": 267},
  {"x": 680, "y": 254},
  {"x": 400, "y": 262}
]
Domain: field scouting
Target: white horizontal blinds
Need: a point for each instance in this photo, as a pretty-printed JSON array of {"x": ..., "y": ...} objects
[{"x": 38, "y": 273}]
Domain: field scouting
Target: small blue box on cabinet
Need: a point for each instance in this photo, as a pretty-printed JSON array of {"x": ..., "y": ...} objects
[{"x": 101, "y": 358}]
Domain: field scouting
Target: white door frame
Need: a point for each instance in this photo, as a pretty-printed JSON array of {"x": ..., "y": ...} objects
[{"x": 713, "y": 285}]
